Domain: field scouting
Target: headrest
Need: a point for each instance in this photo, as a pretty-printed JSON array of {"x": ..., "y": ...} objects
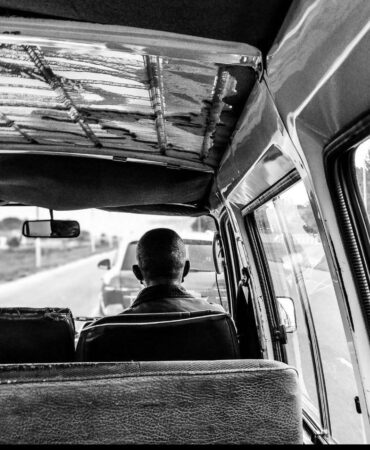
[
  {"x": 36, "y": 335},
  {"x": 153, "y": 317},
  {"x": 202, "y": 335}
]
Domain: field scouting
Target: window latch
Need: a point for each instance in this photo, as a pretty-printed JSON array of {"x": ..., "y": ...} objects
[
  {"x": 280, "y": 334},
  {"x": 319, "y": 434},
  {"x": 357, "y": 404}
]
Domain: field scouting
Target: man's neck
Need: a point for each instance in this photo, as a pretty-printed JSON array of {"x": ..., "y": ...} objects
[{"x": 162, "y": 281}]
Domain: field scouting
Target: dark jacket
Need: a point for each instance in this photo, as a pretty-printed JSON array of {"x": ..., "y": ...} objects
[{"x": 168, "y": 298}]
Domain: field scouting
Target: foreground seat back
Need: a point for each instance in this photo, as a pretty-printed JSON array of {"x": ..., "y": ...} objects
[
  {"x": 159, "y": 337},
  {"x": 181, "y": 402},
  {"x": 36, "y": 335}
]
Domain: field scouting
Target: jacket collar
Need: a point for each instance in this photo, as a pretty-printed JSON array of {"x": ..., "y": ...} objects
[{"x": 160, "y": 291}]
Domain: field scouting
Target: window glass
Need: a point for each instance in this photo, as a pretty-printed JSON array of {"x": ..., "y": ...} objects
[
  {"x": 199, "y": 254},
  {"x": 130, "y": 256},
  {"x": 299, "y": 270},
  {"x": 362, "y": 167},
  {"x": 69, "y": 272},
  {"x": 299, "y": 352},
  {"x": 201, "y": 280}
]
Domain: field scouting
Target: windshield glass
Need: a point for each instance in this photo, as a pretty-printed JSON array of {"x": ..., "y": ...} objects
[
  {"x": 71, "y": 272},
  {"x": 130, "y": 257},
  {"x": 199, "y": 254}
]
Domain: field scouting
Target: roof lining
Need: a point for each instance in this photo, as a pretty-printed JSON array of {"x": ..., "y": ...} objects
[
  {"x": 214, "y": 115},
  {"x": 67, "y": 183},
  {"x": 258, "y": 24}
]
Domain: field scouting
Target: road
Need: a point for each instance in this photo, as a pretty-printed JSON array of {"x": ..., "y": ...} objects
[{"x": 74, "y": 285}]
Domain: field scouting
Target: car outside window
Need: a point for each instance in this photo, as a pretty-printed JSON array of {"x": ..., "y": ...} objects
[
  {"x": 201, "y": 280},
  {"x": 130, "y": 256},
  {"x": 299, "y": 270},
  {"x": 199, "y": 254}
]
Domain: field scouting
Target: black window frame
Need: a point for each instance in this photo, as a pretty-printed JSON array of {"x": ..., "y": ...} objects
[
  {"x": 243, "y": 311},
  {"x": 232, "y": 263}
]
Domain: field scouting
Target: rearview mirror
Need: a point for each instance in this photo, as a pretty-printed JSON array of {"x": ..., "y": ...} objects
[
  {"x": 287, "y": 313},
  {"x": 104, "y": 264},
  {"x": 51, "y": 228}
]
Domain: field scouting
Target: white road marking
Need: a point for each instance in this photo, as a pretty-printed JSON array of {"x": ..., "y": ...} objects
[{"x": 345, "y": 362}]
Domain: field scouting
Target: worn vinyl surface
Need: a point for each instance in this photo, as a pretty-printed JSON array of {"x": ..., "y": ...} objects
[
  {"x": 235, "y": 401},
  {"x": 60, "y": 95}
]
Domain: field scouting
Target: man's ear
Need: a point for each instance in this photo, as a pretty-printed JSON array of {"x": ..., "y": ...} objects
[
  {"x": 137, "y": 272},
  {"x": 186, "y": 269}
]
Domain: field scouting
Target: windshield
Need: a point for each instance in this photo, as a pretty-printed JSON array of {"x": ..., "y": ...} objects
[
  {"x": 39, "y": 272},
  {"x": 199, "y": 254}
]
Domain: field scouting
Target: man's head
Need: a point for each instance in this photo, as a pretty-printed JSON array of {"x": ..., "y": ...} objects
[{"x": 161, "y": 257}]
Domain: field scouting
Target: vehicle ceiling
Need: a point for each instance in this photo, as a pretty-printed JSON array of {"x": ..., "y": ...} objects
[{"x": 173, "y": 108}]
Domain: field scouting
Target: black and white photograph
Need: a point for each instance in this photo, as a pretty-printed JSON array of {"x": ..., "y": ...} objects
[{"x": 184, "y": 222}]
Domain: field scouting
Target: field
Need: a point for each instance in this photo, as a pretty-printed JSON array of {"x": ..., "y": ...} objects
[{"x": 20, "y": 262}]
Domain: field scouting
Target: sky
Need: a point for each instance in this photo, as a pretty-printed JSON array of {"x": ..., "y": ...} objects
[
  {"x": 362, "y": 154},
  {"x": 98, "y": 221}
]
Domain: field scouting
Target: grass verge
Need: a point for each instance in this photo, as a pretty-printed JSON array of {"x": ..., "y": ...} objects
[{"x": 21, "y": 262}]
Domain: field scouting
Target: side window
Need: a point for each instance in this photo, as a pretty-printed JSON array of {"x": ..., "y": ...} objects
[
  {"x": 316, "y": 344},
  {"x": 362, "y": 168}
]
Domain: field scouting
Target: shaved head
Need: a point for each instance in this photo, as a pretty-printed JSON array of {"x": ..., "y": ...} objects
[{"x": 161, "y": 254}]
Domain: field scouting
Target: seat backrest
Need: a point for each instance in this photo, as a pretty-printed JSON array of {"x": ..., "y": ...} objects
[
  {"x": 36, "y": 335},
  {"x": 159, "y": 337},
  {"x": 181, "y": 402}
]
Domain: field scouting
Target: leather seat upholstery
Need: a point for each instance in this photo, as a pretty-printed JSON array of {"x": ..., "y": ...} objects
[
  {"x": 202, "y": 335},
  {"x": 178, "y": 402},
  {"x": 36, "y": 335}
]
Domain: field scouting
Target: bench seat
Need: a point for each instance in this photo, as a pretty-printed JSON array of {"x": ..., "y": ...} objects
[{"x": 177, "y": 402}]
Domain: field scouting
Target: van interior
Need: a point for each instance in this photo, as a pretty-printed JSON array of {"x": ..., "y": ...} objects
[{"x": 251, "y": 116}]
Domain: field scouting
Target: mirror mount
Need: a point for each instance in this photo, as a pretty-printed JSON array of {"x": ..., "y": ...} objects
[{"x": 104, "y": 264}]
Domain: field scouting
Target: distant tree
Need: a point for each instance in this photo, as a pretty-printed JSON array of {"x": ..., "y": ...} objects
[
  {"x": 203, "y": 223},
  {"x": 308, "y": 218},
  {"x": 13, "y": 242},
  {"x": 84, "y": 235},
  {"x": 103, "y": 240},
  {"x": 12, "y": 223}
]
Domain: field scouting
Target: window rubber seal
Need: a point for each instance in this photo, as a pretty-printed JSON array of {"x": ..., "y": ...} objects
[{"x": 349, "y": 207}]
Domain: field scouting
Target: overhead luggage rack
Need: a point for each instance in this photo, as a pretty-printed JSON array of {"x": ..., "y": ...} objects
[{"x": 113, "y": 91}]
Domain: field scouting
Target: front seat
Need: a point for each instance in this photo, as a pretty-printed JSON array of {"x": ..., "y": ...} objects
[
  {"x": 205, "y": 335},
  {"x": 36, "y": 335}
]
